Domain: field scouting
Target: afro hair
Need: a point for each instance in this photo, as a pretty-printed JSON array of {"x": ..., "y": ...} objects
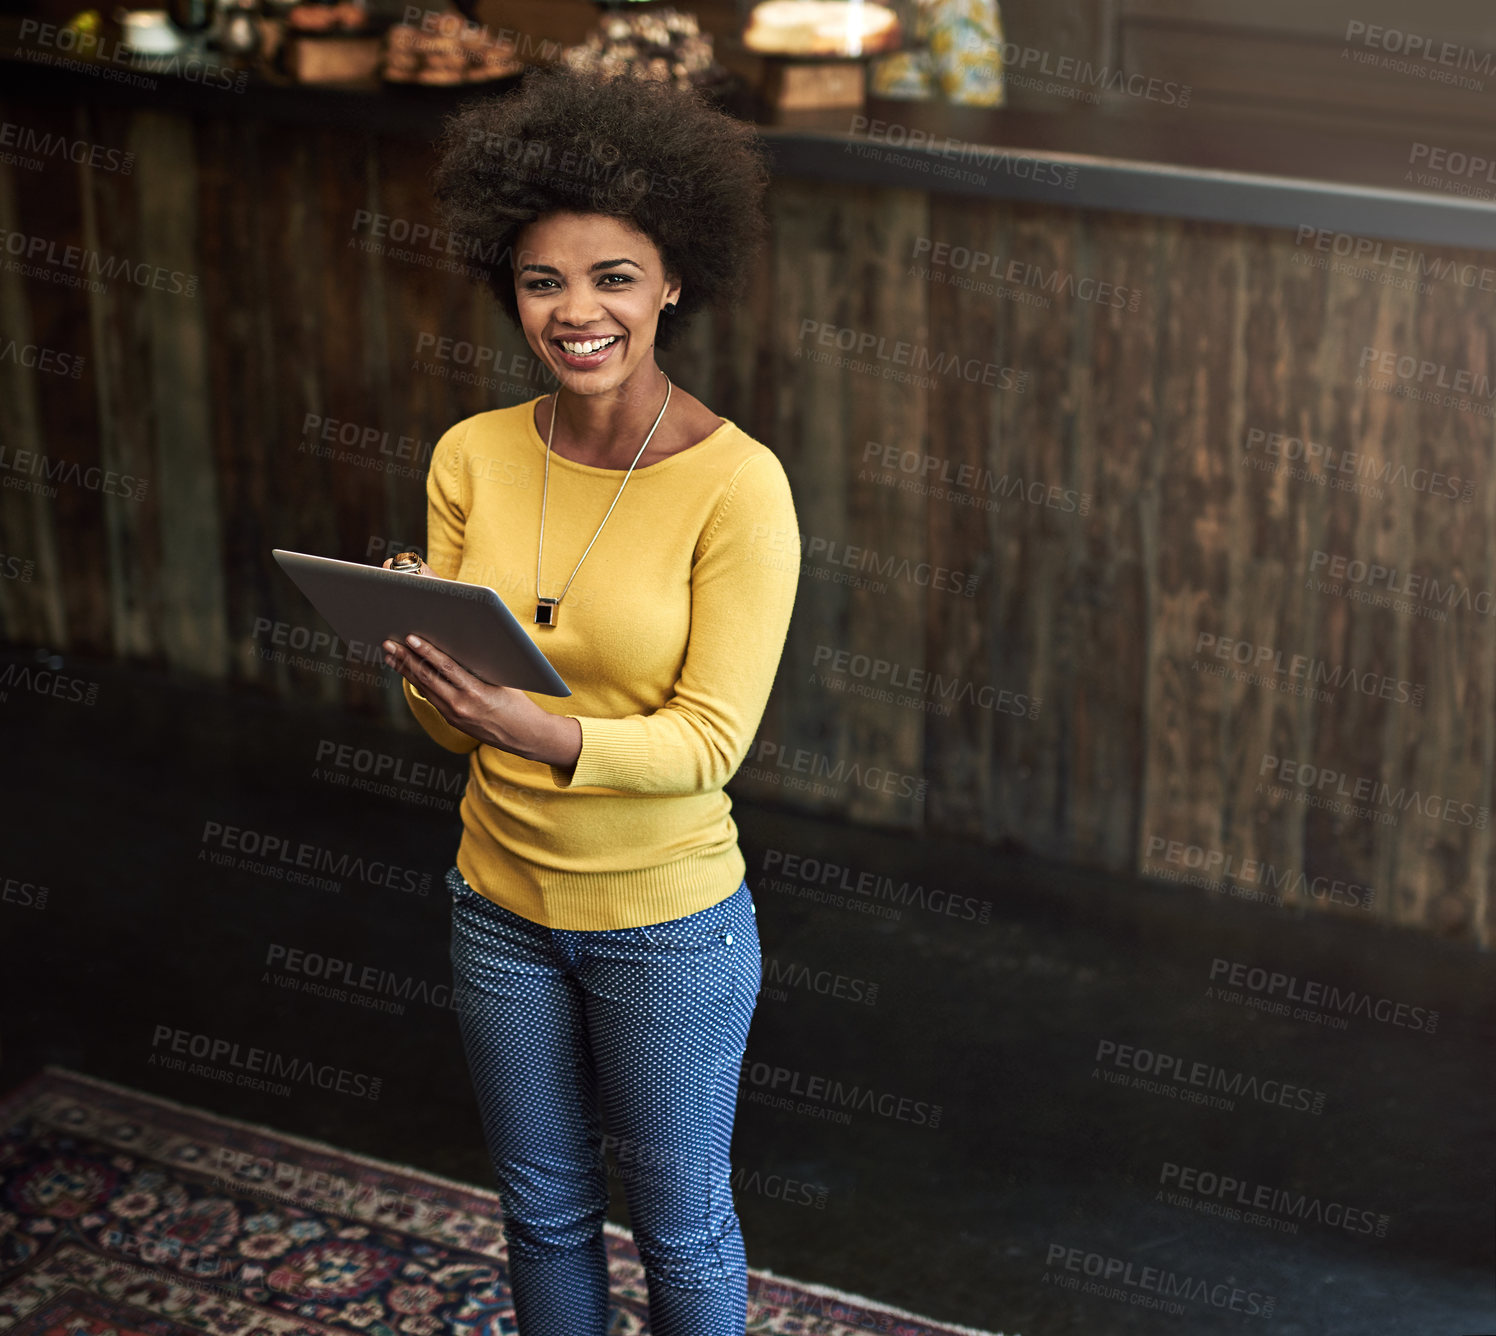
[{"x": 661, "y": 158}]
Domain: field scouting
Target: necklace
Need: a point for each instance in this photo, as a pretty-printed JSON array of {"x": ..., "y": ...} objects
[{"x": 547, "y": 609}]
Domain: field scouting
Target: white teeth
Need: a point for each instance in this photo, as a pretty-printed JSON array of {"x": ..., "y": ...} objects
[{"x": 588, "y": 346}]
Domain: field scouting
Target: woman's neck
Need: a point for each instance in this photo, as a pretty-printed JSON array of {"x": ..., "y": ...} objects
[{"x": 604, "y": 428}]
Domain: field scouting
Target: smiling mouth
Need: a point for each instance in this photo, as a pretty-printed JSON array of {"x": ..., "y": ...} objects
[{"x": 586, "y": 347}]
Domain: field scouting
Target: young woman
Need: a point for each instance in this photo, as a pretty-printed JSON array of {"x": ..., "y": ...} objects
[{"x": 603, "y": 935}]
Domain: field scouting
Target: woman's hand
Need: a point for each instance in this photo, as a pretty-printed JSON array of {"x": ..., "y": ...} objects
[{"x": 502, "y": 717}]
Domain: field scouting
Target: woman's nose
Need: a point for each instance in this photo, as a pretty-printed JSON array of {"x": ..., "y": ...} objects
[{"x": 578, "y": 306}]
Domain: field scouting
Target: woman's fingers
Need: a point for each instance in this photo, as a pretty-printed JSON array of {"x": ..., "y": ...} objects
[{"x": 440, "y": 663}]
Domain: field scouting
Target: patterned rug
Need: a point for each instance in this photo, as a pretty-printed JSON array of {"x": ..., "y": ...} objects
[{"x": 126, "y": 1215}]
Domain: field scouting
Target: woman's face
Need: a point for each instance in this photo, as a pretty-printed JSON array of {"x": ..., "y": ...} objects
[{"x": 590, "y": 289}]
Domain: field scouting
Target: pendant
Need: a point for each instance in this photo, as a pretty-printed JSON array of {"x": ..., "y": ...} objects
[{"x": 545, "y": 611}]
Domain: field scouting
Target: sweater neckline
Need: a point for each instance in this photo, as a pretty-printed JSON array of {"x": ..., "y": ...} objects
[{"x": 539, "y": 441}]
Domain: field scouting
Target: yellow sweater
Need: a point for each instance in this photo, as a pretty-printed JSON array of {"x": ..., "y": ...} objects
[{"x": 669, "y": 638}]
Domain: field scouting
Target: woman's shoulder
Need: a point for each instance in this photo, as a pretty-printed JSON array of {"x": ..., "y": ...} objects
[
  {"x": 752, "y": 485},
  {"x": 735, "y": 447},
  {"x": 489, "y": 443}
]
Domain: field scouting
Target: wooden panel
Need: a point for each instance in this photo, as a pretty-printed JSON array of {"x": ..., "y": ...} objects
[
  {"x": 979, "y": 437},
  {"x": 121, "y": 355},
  {"x": 1252, "y": 70},
  {"x": 879, "y": 233},
  {"x": 191, "y": 579},
  {"x": 66, "y": 528},
  {"x": 254, "y": 446},
  {"x": 1146, "y": 408},
  {"x": 33, "y": 608},
  {"x": 1187, "y": 485},
  {"x": 1274, "y": 515},
  {"x": 1111, "y": 384},
  {"x": 1467, "y": 20}
]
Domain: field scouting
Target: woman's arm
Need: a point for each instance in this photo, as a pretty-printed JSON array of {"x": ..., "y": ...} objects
[
  {"x": 743, "y": 586},
  {"x": 447, "y": 505}
]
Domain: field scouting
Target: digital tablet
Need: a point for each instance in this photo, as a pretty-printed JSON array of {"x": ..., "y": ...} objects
[{"x": 469, "y": 622}]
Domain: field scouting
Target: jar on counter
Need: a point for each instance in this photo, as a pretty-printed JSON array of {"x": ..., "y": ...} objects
[{"x": 955, "y": 53}]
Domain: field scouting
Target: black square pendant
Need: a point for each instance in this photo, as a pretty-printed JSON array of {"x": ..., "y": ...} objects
[{"x": 545, "y": 612}]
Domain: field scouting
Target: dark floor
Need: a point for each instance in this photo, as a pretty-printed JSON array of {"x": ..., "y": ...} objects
[{"x": 999, "y": 1023}]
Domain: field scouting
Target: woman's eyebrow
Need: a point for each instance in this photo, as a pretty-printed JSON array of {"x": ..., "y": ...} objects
[{"x": 601, "y": 264}]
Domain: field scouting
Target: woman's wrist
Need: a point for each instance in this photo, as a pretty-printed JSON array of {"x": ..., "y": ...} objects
[{"x": 556, "y": 740}]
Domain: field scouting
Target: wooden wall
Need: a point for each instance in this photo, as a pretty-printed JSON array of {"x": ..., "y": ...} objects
[{"x": 1095, "y": 612}]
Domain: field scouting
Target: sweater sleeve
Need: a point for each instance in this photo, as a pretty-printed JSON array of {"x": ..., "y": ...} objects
[
  {"x": 743, "y": 584},
  {"x": 447, "y": 504}
]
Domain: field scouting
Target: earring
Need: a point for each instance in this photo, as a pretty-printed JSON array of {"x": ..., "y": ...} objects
[{"x": 668, "y": 309}]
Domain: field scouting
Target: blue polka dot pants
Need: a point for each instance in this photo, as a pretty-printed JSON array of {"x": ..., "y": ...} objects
[{"x": 627, "y": 1041}]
